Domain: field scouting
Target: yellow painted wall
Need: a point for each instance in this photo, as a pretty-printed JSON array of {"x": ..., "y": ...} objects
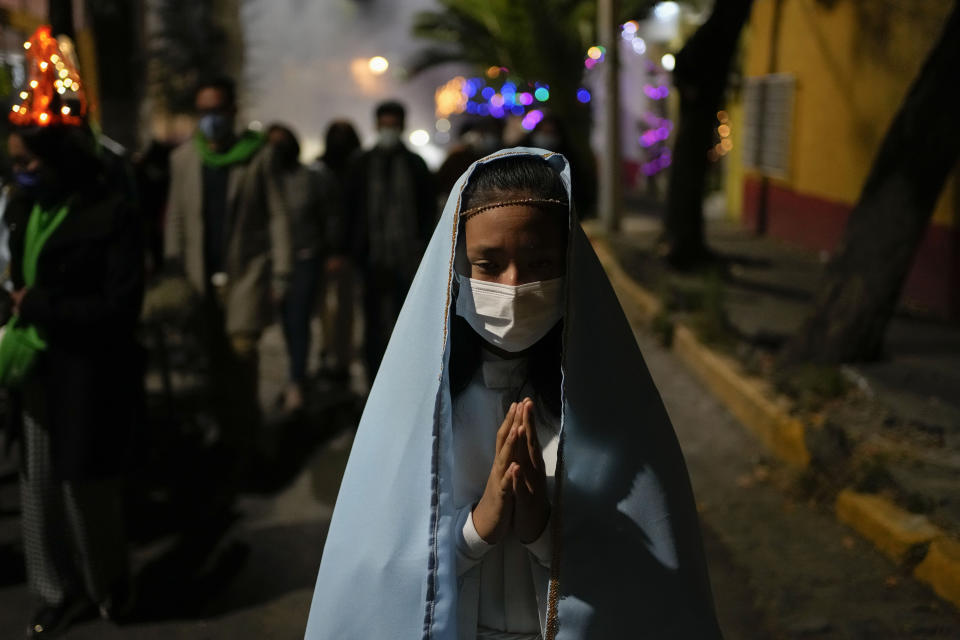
[
  {"x": 853, "y": 63},
  {"x": 733, "y": 164}
]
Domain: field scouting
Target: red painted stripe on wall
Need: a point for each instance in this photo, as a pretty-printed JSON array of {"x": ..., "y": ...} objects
[{"x": 816, "y": 223}]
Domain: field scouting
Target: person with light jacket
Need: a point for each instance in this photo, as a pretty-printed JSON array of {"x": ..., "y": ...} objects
[{"x": 227, "y": 232}]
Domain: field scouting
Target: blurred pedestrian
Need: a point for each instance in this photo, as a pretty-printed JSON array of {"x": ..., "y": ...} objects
[
  {"x": 464, "y": 153},
  {"x": 533, "y": 482},
  {"x": 310, "y": 196},
  {"x": 338, "y": 292},
  {"x": 5, "y": 187},
  {"x": 70, "y": 351},
  {"x": 391, "y": 193},
  {"x": 152, "y": 173},
  {"x": 551, "y": 133},
  {"x": 476, "y": 139},
  {"x": 228, "y": 232}
]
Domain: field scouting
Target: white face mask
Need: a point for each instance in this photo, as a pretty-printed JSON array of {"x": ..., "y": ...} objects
[
  {"x": 511, "y": 318},
  {"x": 388, "y": 137}
]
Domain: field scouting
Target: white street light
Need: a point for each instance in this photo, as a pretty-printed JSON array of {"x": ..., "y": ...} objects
[
  {"x": 419, "y": 138},
  {"x": 666, "y": 11},
  {"x": 378, "y": 64}
]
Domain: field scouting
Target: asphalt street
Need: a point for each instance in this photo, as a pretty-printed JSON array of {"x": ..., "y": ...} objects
[{"x": 781, "y": 566}]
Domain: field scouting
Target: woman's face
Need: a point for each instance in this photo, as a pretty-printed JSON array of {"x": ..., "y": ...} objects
[
  {"x": 22, "y": 159},
  {"x": 516, "y": 245}
]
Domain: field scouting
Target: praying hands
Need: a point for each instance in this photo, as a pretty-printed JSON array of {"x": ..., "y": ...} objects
[{"x": 516, "y": 493}]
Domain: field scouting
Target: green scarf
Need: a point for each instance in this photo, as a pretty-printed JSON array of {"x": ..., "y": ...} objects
[
  {"x": 42, "y": 224},
  {"x": 242, "y": 150},
  {"x": 21, "y": 344}
]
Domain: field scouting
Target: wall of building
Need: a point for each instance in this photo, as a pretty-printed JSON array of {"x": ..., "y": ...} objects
[{"x": 853, "y": 63}]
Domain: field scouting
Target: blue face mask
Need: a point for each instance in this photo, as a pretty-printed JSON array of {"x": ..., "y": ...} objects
[
  {"x": 27, "y": 180},
  {"x": 215, "y": 126}
]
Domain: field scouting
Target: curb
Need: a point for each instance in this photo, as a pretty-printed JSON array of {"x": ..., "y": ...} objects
[
  {"x": 744, "y": 397},
  {"x": 902, "y": 536},
  {"x": 639, "y": 305},
  {"x": 939, "y": 569}
]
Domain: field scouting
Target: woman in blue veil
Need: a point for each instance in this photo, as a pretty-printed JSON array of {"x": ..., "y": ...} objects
[{"x": 444, "y": 527}]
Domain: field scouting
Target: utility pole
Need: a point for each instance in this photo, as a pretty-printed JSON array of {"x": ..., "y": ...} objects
[{"x": 611, "y": 184}]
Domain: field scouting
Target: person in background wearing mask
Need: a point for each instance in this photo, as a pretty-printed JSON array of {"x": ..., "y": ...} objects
[
  {"x": 338, "y": 290},
  {"x": 551, "y": 133},
  {"x": 69, "y": 354},
  {"x": 228, "y": 232},
  {"x": 391, "y": 192},
  {"x": 151, "y": 169},
  {"x": 310, "y": 197},
  {"x": 477, "y": 139}
]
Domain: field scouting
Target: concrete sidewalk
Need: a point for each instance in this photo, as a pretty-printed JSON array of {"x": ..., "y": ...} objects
[
  {"x": 895, "y": 432},
  {"x": 769, "y": 292}
]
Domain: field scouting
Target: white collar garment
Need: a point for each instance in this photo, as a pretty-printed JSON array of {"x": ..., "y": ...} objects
[
  {"x": 503, "y": 373},
  {"x": 500, "y": 585}
]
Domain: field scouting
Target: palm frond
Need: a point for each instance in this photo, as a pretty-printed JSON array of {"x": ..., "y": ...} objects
[{"x": 430, "y": 57}]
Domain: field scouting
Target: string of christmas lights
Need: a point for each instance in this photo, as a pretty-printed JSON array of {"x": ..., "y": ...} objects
[
  {"x": 53, "y": 94},
  {"x": 499, "y": 95}
]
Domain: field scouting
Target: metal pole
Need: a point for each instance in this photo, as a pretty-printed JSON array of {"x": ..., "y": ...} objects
[{"x": 611, "y": 184}]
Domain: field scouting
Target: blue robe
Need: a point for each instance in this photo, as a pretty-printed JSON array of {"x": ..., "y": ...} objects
[{"x": 628, "y": 557}]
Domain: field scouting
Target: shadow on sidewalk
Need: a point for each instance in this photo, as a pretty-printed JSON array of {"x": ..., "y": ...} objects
[
  {"x": 897, "y": 419},
  {"x": 192, "y": 543}
]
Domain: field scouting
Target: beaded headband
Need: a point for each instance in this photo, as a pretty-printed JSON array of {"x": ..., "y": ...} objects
[{"x": 543, "y": 202}]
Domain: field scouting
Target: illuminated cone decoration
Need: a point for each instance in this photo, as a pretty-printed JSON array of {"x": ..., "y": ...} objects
[{"x": 53, "y": 94}]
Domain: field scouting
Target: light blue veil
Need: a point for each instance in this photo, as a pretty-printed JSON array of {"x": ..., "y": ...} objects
[{"x": 628, "y": 558}]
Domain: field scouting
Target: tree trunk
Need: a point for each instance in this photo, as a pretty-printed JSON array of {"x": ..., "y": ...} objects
[
  {"x": 863, "y": 281},
  {"x": 121, "y": 67},
  {"x": 583, "y": 164},
  {"x": 227, "y": 18},
  {"x": 701, "y": 79}
]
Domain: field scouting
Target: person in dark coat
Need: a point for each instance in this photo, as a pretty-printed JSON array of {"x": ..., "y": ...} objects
[
  {"x": 476, "y": 139},
  {"x": 311, "y": 197},
  {"x": 337, "y": 289},
  {"x": 552, "y": 133},
  {"x": 392, "y": 195},
  {"x": 77, "y": 407}
]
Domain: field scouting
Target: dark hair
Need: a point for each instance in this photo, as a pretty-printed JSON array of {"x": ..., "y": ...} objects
[
  {"x": 290, "y": 136},
  {"x": 492, "y": 125},
  {"x": 556, "y": 122},
  {"x": 466, "y": 127},
  {"x": 225, "y": 84},
  {"x": 391, "y": 108},
  {"x": 70, "y": 151},
  {"x": 513, "y": 177},
  {"x": 510, "y": 177},
  {"x": 340, "y": 143}
]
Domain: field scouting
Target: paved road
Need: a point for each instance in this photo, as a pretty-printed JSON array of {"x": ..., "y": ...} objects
[{"x": 782, "y": 568}]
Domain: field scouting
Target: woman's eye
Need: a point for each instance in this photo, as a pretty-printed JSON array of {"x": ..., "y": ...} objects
[{"x": 486, "y": 267}]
